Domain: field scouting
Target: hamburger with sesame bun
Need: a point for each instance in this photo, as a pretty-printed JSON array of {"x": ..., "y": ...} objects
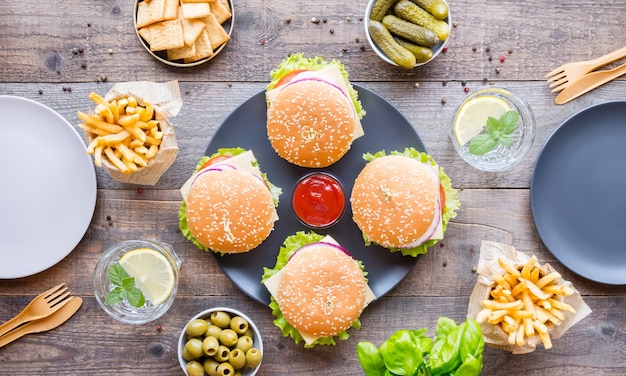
[
  {"x": 403, "y": 201},
  {"x": 229, "y": 205},
  {"x": 313, "y": 112},
  {"x": 318, "y": 290}
]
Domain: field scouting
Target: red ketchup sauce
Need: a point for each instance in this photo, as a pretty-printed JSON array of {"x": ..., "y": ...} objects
[{"x": 318, "y": 200}]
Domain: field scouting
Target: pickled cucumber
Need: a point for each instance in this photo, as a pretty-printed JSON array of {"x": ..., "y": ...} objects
[
  {"x": 380, "y": 8},
  {"x": 438, "y": 8},
  {"x": 384, "y": 40},
  {"x": 410, "y": 31},
  {"x": 422, "y": 54},
  {"x": 408, "y": 11}
]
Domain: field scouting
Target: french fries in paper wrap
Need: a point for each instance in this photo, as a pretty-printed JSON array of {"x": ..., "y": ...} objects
[
  {"x": 166, "y": 101},
  {"x": 571, "y": 306}
]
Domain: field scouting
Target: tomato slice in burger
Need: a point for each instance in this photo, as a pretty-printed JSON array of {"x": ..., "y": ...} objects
[
  {"x": 289, "y": 76},
  {"x": 214, "y": 160}
]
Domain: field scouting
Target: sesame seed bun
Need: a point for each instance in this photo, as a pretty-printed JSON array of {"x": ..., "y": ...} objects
[
  {"x": 322, "y": 290},
  {"x": 229, "y": 211},
  {"x": 311, "y": 123},
  {"x": 396, "y": 201}
]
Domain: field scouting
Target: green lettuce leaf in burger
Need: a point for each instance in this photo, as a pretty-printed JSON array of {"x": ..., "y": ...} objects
[
  {"x": 229, "y": 205},
  {"x": 318, "y": 290},
  {"x": 403, "y": 201},
  {"x": 313, "y": 111}
]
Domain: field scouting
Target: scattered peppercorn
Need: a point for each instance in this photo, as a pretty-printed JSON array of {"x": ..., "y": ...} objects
[
  {"x": 441, "y": 245},
  {"x": 444, "y": 83},
  {"x": 487, "y": 49},
  {"x": 485, "y": 79},
  {"x": 348, "y": 19},
  {"x": 187, "y": 92},
  {"x": 110, "y": 51},
  {"x": 288, "y": 20},
  {"x": 315, "y": 20},
  {"x": 332, "y": 31},
  {"x": 108, "y": 217},
  {"x": 159, "y": 328},
  {"x": 474, "y": 269},
  {"x": 262, "y": 42},
  {"x": 445, "y": 263},
  {"x": 360, "y": 19},
  {"x": 83, "y": 65},
  {"x": 474, "y": 48},
  {"x": 463, "y": 83},
  {"x": 103, "y": 78},
  {"x": 362, "y": 48},
  {"x": 443, "y": 101},
  {"x": 74, "y": 51},
  {"x": 40, "y": 91},
  {"x": 139, "y": 190},
  {"x": 357, "y": 40},
  {"x": 454, "y": 24},
  {"x": 324, "y": 20},
  {"x": 445, "y": 49},
  {"x": 344, "y": 50},
  {"x": 490, "y": 58},
  {"x": 510, "y": 52},
  {"x": 417, "y": 84},
  {"x": 502, "y": 59},
  {"x": 230, "y": 84},
  {"x": 466, "y": 89},
  {"x": 497, "y": 70}
]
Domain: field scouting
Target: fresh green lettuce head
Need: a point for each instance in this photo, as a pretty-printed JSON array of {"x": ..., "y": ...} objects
[
  {"x": 298, "y": 61},
  {"x": 290, "y": 246},
  {"x": 452, "y": 203},
  {"x": 182, "y": 211}
]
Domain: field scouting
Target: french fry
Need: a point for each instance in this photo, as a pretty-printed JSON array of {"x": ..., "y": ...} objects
[
  {"x": 525, "y": 301},
  {"x": 122, "y": 132}
]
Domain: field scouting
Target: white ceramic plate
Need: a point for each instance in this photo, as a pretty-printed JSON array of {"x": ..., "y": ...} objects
[{"x": 48, "y": 187}]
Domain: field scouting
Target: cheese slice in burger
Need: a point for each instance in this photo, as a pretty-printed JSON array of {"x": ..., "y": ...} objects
[
  {"x": 228, "y": 205},
  {"x": 318, "y": 290},
  {"x": 403, "y": 201}
]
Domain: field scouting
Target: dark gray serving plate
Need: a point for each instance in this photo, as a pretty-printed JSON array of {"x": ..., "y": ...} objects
[
  {"x": 578, "y": 193},
  {"x": 385, "y": 129}
]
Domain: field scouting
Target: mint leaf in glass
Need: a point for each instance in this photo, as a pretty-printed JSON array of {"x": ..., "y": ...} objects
[
  {"x": 498, "y": 132},
  {"x": 124, "y": 289}
]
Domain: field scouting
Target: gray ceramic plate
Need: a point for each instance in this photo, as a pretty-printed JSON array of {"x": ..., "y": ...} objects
[
  {"x": 385, "y": 129},
  {"x": 578, "y": 198}
]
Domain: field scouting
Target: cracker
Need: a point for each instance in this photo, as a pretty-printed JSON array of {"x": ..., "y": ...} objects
[
  {"x": 195, "y": 10},
  {"x": 196, "y": 1},
  {"x": 191, "y": 30},
  {"x": 166, "y": 35},
  {"x": 203, "y": 48},
  {"x": 150, "y": 12},
  {"x": 144, "y": 32},
  {"x": 217, "y": 34},
  {"x": 226, "y": 5},
  {"x": 181, "y": 53},
  {"x": 221, "y": 13},
  {"x": 171, "y": 10}
]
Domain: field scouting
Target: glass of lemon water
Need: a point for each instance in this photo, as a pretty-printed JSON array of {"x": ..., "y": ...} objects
[
  {"x": 153, "y": 265},
  {"x": 470, "y": 121}
]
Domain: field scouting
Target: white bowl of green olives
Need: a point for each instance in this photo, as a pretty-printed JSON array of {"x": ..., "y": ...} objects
[{"x": 220, "y": 342}]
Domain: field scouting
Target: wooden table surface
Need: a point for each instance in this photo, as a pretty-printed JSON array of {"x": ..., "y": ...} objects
[{"x": 57, "y": 52}]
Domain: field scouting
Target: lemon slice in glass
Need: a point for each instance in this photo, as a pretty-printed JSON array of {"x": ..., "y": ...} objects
[
  {"x": 152, "y": 272},
  {"x": 472, "y": 116}
]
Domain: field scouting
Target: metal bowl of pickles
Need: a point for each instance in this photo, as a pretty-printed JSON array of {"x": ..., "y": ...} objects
[
  {"x": 220, "y": 341},
  {"x": 408, "y": 33}
]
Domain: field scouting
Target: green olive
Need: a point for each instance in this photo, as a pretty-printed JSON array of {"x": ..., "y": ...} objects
[
  {"x": 194, "y": 368},
  {"x": 210, "y": 366},
  {"x": 210, "y": 345},
  {"x": 225, "y": 369},
  {"x": 253, "y": 357},
  {"x": 213, "y": 331},
  {"x": 228, "y": 337},
  {"x": 237, "y": 358},
  {"x": 244, "y": 343},
  {"x": 221, "y": 319},
  {"x": 237, "y": 373},
  {"x": 196, "y": 328},
  {"x": 193, "y": 347},
  {"x": 185, "y": 354},
  {"x": 222, "y": 354},
  {"x": 249, "y": 333},
  {"x": 239, "y": 325}
]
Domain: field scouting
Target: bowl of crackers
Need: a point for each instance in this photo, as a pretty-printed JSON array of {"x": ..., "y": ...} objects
[{"x": 184, "y": 33}]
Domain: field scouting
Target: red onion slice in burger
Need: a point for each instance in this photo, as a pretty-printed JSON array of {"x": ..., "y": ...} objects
[{"x": 317, "y": 244}]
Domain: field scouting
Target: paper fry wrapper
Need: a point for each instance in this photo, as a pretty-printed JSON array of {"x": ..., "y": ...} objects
[
  {"x": 488, "y": 266},
  {"x": 167, "y": 102}
]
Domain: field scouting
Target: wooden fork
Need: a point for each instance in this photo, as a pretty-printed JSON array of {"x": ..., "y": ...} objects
[
  {"x": 43, "y": 305},
  {"x": 564, "y": 75}
]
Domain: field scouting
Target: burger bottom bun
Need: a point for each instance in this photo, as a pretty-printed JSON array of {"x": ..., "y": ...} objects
[
  {"x": 394, "y": 200},
  {"x": 229, "y": 211},
  {"x": 311, "y": 123},
  {"x": 322, "y": 291}
]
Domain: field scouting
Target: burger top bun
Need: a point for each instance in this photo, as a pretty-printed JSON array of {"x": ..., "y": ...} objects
[
  {"x": 396, "y": 201},
  {"x": 322, "y": 290},
  {"x": 229, "y": 211},
  {"x": 311, "y": 123}
]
